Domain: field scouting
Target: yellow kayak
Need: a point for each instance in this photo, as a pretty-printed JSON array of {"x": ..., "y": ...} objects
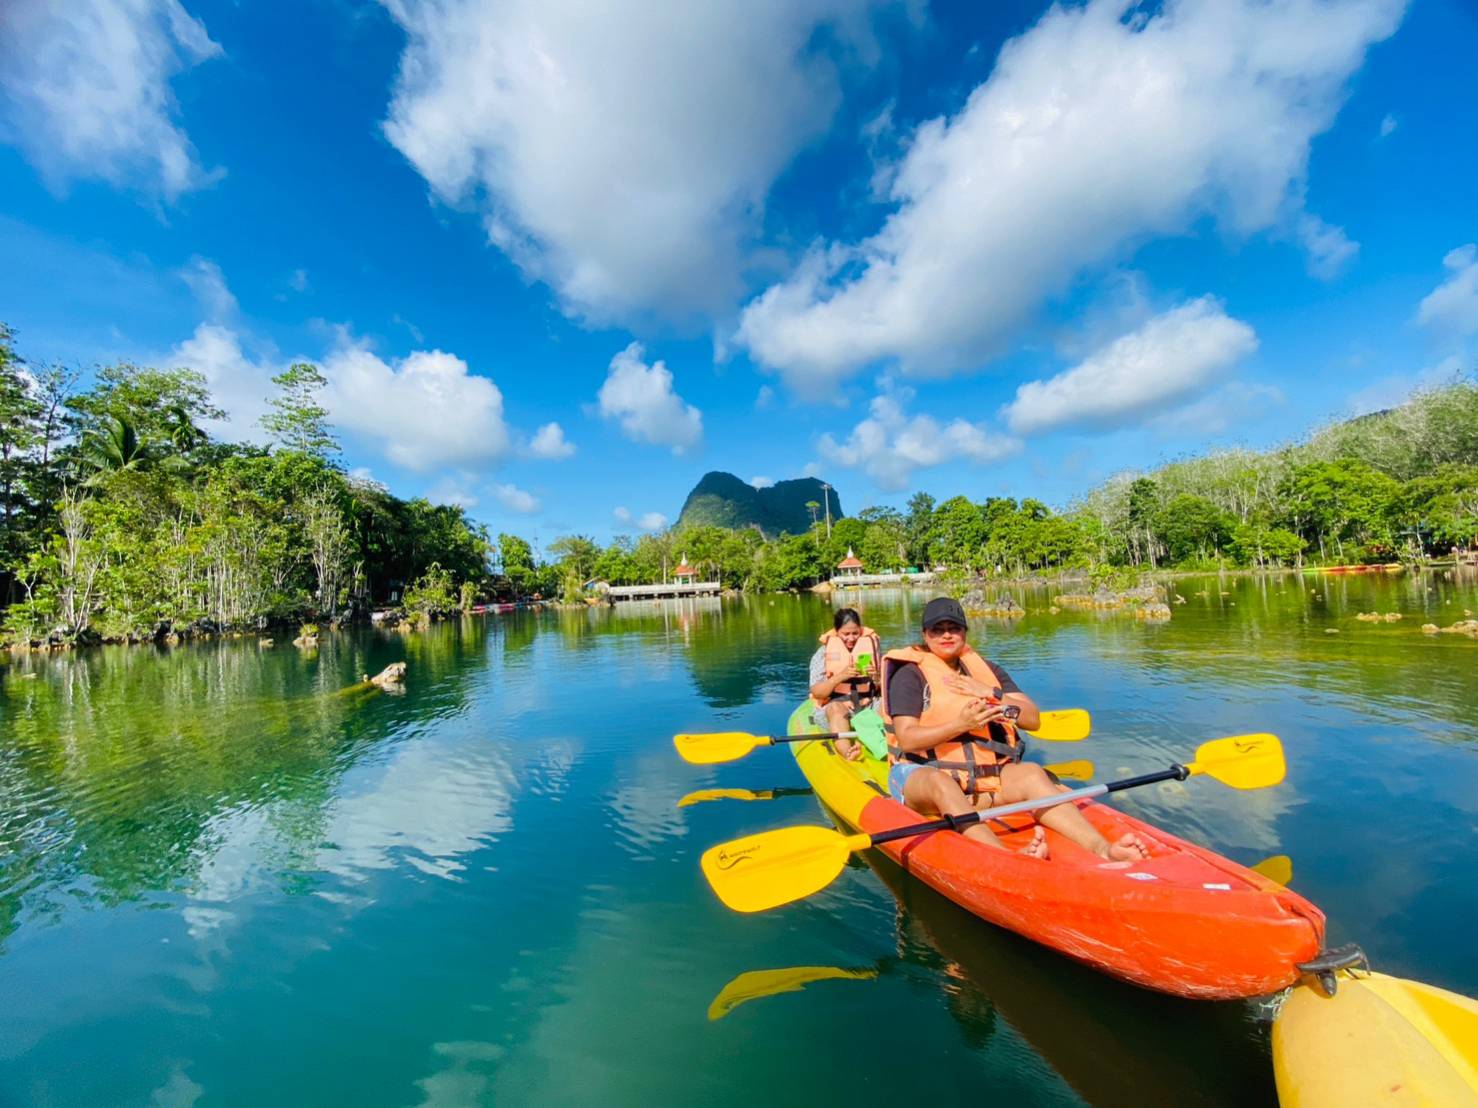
[{"x": 1377, "y": 1040}]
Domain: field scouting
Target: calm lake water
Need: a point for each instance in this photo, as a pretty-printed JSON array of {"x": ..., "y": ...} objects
[{"x": 220, "y": 882}]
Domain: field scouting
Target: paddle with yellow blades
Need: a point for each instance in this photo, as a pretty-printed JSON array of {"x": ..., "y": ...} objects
[
  {"x": 1080, "y": 770},
  {"x": 1066, "y": 725},
  {"x": 764, "y": 871}
]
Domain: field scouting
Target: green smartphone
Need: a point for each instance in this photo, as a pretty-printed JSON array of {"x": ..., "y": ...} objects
[{"x": 864, "y": 663}]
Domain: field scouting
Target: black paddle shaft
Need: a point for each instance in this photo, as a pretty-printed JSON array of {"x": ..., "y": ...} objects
[{"x": 1176, "y": 772}]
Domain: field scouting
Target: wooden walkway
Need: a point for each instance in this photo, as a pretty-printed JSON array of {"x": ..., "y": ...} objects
[
  {"x": 863, "y": 579},
  {"x": 658, "y": 592}
]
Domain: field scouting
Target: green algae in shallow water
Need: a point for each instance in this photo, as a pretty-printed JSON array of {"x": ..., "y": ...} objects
[{"x": 472, "y": 892}]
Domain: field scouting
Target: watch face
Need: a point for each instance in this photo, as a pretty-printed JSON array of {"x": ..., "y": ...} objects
[{"x": 1011, "y": 711}]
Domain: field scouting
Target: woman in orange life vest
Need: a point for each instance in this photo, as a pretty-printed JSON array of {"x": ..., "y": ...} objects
[
  {"x": 954, "y": 746},
  {"x": 844, "y": 674}
]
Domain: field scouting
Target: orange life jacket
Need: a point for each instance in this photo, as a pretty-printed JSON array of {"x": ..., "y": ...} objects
[
  {"x": 974, "y": 760},
  {"x": 841, "y": 660}
]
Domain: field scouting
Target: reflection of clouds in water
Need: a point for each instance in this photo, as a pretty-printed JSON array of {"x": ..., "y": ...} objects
[
  {"x": 432, "y": 803},
  {"x": 235, "y": 848},
  {"x": 429, "y": 804},
  {"x": 178, "y": 1092},
  {"x": 549, "y": 775},
  {"x": 459, "y": 1083},
  {"x": 1199, "y": 810},
  {"x": 645, "y": 804}
]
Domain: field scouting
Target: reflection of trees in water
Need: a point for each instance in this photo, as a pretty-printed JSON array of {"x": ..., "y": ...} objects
[
  {"x": 1113, "y": 1043},
  {"x": 766, "y": 646},
  {"x": 118, "y": 765}
]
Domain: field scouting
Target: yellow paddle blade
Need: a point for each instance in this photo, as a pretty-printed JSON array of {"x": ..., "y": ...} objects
[
  {"x": 725, "y": 794},
  {"x": 1081, "y": 770},
  {"x": 720, "y": 746},
  {"x": 771, "y": 982},
  {"x": 1242, "y": 761},
  {"x": 1065, "y": 725},
  {"x": 767, "y": 870},
  {"x": 1278, "y": 868}
]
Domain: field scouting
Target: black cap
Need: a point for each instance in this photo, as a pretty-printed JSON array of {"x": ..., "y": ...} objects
[{"x": 944, "y": 608}]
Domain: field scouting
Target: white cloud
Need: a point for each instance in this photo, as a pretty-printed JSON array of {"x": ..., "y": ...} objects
[
  {"x": 239, "y": 384},
  {"x": 1095, "y": 132},
  {"x": 87, "y": 87},
  {"x": 515, "y": 499},
  {"x": 1169, "y": 359},
  {"x": 550, "y": 442},
  {"x": 424, "y": 411},
  {"x": 208, "y": 284},
  {"x": 762, "y": 482},
  {"x": 1395, "y": 390},
  {"x": 1388, "y": 124},
  {"x": 1235, "y": 407},
  {"x": 764, "y": 398},
  {"x": 1329, "y": 248},
  {"x": 642, "y": 399},
  {"x": 298, "y": 282},
  {"x": 453, "y": 489},
  {"x": 620, "y": 152},
  {"x": 890, "y": 444},
  {"x": 1454, "y": 304},
  {"x": 649, "y": 521}
]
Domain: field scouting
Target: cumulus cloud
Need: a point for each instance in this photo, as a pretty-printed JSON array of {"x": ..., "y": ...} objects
[
  {"x": 648, "y": 521},
  {"x": 1095, "y": 132},
  {"x": 620, "y": 152},
  {"x": 1328, "y": 248},
  {"x": 1233, "y": 408},
  {"x": 549, "y": 442},
  {"x": 1454, "y": 303},
  {"x": 239, "y": 384},
  {"x": 641, "y": 398},
  {"x": 424, "y": 411},
  {"x": 1388, "y": 124},
  {"x": 298, "y": 282},
  {"x": 87, "y": 93},
  {"x": 454, "y": 490},
  {"x": 890, "y": 444},
  {"x": 1169, "y": 359},
  {"x": 515, "y": 499},
  {"x": 208, "y": 284},
  {"x": 762, "y": 482}
]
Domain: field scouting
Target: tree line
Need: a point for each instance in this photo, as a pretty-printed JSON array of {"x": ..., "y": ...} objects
[
  {"x": 1394, "y": 485},
  {"x": 122, "y": 518}
]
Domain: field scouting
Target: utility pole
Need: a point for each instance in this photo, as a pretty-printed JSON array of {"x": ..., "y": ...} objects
[{"x": 826, "y": 497}]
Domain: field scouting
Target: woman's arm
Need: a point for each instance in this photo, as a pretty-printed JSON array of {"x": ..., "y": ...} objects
[{"x": 911, "y": 735}]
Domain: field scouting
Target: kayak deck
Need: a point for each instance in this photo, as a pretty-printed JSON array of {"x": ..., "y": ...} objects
[
  {"x": 1377, "y": 1040},
  {"x": 1184, "y": 921}
]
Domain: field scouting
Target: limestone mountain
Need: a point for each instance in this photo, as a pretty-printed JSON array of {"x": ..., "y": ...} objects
[{"x": 723, "y": 500}]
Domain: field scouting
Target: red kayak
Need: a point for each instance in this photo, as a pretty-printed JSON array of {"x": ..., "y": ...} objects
[{"x": 1185, "y": 921}]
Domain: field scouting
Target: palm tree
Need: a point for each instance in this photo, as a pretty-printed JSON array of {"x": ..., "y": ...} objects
[
  {"x": 180, "y": 429},
  {"x": 113, "y": 447}
]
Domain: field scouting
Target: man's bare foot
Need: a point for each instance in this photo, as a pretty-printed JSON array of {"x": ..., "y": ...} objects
[
  {"x": 1129, "y": 848},
  {"x": 1037, "y": 848}
]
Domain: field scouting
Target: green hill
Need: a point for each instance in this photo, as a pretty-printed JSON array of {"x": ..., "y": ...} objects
[{"x": 723, "y": 500}]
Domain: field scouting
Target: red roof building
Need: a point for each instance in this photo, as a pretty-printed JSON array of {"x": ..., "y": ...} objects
[
  {"x": 685, "y": 570},
  {"x": 851, "y": 565}
]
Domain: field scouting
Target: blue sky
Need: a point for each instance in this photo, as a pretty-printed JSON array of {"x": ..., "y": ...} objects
[{"x": 559, "y": 259}]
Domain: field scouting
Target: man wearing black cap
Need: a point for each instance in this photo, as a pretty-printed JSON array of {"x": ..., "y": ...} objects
[{"x": 954, "y": 747}]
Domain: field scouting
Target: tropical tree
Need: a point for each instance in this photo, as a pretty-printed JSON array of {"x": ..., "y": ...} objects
[{"x": 297, "y": 420}]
